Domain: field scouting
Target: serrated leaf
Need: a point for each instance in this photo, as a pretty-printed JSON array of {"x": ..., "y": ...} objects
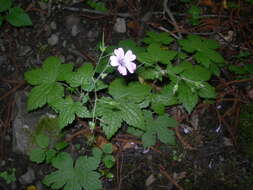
[
  {"x": 211, "y": 44},
  {"x": 135, "y": 132},
  {"x": 83, "y": 77},
  {"x": 147, "y": 59},
  {"x": 17, "y": 17},
  {"x": 196, "y": 73},
  {"x": 37, "y": 155},
  {"x": 67, "y": 109},
  {"x": 214, "y": 69},
  {"x": 188, "y": 98},
  {"x": 96, "y": 152},
  {"x": 107, "y": 148},
  {"x": 61, "y": 145},
  {"x": 202, "y": 59},
  {"x": 134, "y": 91},
  {"x": 47, "y": 74},
  {"x": 207, "y": 91},
  {"x": 166, "y": 136},
  {"x": 44, "y": 93},
  {"x": 42, "y": 140},
  {"x": 111, "y": 124},
  {"x": 132, "y": 114},
  {"x": 77, "y": 177},
  {"x": 163, "y": 38},
  {"x": 131, "y": 45},
  {"x": 214, "y": 56},
  {"x": 50, "y": 154},
  {"x": 148, "y": 139},
  {"x": 109, "y": 161},
  {"x": 5, "y": 5},
  {"x": 149, "y": 73}
]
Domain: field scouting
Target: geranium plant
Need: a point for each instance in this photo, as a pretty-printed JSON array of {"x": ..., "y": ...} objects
[{"x": 145, "y": 81}]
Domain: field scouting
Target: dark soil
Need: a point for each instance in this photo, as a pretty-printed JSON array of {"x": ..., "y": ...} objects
[{"x": 210, "y": 157}]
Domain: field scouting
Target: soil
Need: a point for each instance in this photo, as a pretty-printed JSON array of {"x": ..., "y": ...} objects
[{"x": 209, "y": 157}]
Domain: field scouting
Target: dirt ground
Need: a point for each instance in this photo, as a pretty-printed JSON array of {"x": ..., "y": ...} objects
[{"x": 211, "y": 156}]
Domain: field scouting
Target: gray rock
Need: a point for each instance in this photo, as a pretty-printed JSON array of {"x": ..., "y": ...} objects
[
  {"x": 73, "y": 24},
  {"x": 53, "y": 25},
  {"x": 28, "y": 177},
  {"x": 120, "y": 25},
  {"x": 71, "y": 21},
  {"x": 74, "y": 30},
  {"x": 53, "y": 40},
  {"x": 24, "y": 124}
]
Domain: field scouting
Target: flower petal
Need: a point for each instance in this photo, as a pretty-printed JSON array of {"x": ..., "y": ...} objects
[
  {"x": 114, "y": 61},
  {"x": 131, "y": 66},
  {"x": 130, "y": 56},
  {"x": 122, "y": 70},
  {"x": 119, "y": 53}
]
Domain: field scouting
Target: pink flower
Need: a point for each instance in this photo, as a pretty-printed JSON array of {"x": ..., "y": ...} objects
[{"x": 123, "y": 61}]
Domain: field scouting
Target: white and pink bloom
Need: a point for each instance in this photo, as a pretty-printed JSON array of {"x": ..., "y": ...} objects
[{"x": 123, "y": 61}]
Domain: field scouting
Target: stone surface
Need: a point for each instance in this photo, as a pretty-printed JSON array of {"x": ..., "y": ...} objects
[
  {"x": 24, "y": 124},
  {"x": 53, "y": 40},
  {"x": 28, "y": 177},
  {"x": 120, "y": 25}
]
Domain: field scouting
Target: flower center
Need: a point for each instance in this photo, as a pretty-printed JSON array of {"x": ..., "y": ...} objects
[{"x": 121, "y": 62}]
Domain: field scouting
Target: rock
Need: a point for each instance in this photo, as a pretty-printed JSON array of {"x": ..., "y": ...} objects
[
  {"x": 53, "y": 40},
  {"x": 120, "y": 25},
  {"x": 53, "y": 25},
  {"x": 71, "y": 21},
  {"x": 28, "y": 177},
  {"x": 73, "y": 24},
  {"x": 24, "y": 124},
  {"x": 74, "y": 31}
]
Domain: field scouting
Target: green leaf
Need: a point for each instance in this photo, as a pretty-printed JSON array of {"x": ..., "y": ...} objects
[
  {"x": 50, "y": 154},
  {"x": 149, "y": 73},
  {"x": 163, "y": 98},
  {"x": 74, "y": 177},
  {"x": 96, "y": 152},
  {"x": 42, "y": 140},
  {"x": 147, "y": 59},
  {"x": 153, "y": 37},
  {"x": 49, "y": 72},
  {"x": 207, "y": 91},
  {"x": 196, "y": 73},
  {"x": 67, "y": 109},
  {"x": 131, "y": 45},
  {"x": 135, "y": 132},
  {"x": 109, "y": 161},
  {"x": 37, "y": 155},
  {"x": 5, "y": 5},
  {"x": 188, "y": 98},
  {"x": 17, "y": 17},
  {"x": 214, "y": 56},
  {"x": 134, "y": 91},
  {"x": 132, "y": 114},
  {"x": 107, "y": 148},
  {"x": 44, "y": 93},
  {"x": 166, "y": 136},
  {"x": 83, "y": 78},
  {"x": 249, "y": 68},
  {"x": 148, "y": 139},
  {"x": 202, "y": 59},
  {"x": 61, "y": 145}
]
